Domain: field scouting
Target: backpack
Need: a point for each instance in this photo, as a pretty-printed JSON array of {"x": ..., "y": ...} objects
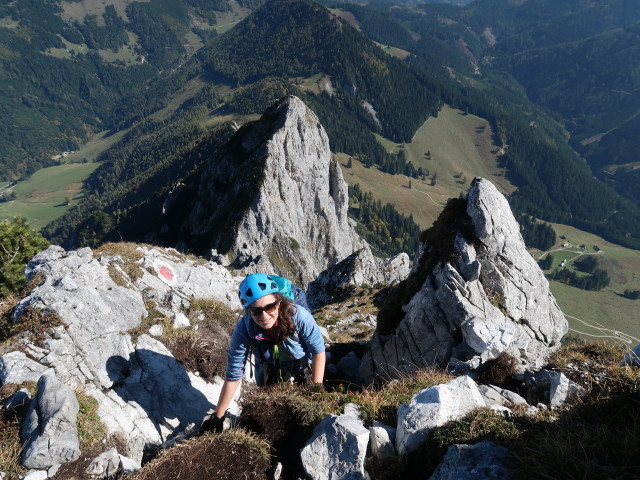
[{"x": 287, "y": 289}]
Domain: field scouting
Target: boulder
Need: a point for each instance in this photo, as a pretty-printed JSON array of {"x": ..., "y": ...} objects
[
  {"x": 107, "y": 464},
  {"x": 482, "y": 461},
  {"x": 349, "y": 366},
  {"x": 433, "y": 407},
  {"x": 632, "y": 358},
  {"x": 16, "y": 367},
  {"x": 16, "y": 404},
  {"x": 337, "y": 448},
  {"x": 562, "y": 390},
  {"x": 359, "y": 268},
  {"x": 501, "y": 397},
  {"x": 35, "y": 475},
  {"x": 381, "y": 438},
  {"x": 474, "y": 293},
  {"x": 49, "y": 431}
]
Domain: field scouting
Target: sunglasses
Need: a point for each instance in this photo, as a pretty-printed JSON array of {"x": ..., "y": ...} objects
[{"x": 256, "y": 311}]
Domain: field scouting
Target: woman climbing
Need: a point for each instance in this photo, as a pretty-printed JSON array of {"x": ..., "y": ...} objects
[{"x": 283, "y": 336}]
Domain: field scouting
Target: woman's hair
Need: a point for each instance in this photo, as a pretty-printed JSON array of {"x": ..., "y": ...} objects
[{"x": 285, "y": 315}]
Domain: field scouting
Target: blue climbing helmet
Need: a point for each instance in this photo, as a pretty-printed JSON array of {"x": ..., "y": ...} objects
[{"x": 256, "y": 286}]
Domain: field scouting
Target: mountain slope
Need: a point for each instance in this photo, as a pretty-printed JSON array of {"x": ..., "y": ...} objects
[
  {"x": 482, "y": 39},
  {"x": 69, "y": 70},
  {"x": 289, "y": 38}
]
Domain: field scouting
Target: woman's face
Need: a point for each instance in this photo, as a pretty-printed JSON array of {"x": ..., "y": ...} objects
[{"x": 264, "y": 311}]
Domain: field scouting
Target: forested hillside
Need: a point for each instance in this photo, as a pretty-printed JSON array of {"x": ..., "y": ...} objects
[
  {"x": 466, "y": 57},
  {"x": 301, "y": 39},
  {"x": 49, "y": 104},
  {"x": 290, "y": 38},
  {"x": 64, "y": 75},
  {"x": 484, "y": 42}
]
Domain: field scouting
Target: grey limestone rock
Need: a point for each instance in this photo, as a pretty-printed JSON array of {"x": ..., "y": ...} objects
[
  {"x": 487, "y": 297},
  {"x": 500, "y": 397},
  {"x": 49, "y": 430},
  {"x": 105, "y": 465},
  {"x": 562, "y": 389},
  {"x": 337, "y": 448},
  {"x": 381, "y": 438},
  {"x": 359, "y": 268},
  {"x": 275, "y": 199},
  {"x": 16, "y": 367},
  {"x": 36, "y": 475},
  {"x": 482, "y": 461},
  {"x": 433, "y": 407},
  {"x": 144, "y": 393}
]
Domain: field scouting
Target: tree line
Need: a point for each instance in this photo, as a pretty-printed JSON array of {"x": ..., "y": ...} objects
[{"x": 387, "y": 231}]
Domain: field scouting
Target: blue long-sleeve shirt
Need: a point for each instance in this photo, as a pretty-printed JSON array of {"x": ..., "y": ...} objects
[{"x": 307, "y": 341}]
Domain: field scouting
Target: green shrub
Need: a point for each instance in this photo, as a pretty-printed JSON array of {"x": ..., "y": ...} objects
[{"x": 18, "y": 244}]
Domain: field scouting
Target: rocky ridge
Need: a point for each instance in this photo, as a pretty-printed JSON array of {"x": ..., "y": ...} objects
[
  {"x": 485, "y": 296},
  {"x": 113, "y": 316}
]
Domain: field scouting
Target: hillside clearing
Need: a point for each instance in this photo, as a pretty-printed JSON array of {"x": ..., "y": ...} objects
[
  {"x": 79, "y": 10},
  {"x": 457, "y": 143},
  {"x": 43, "y": 197},
  {"x": 605, "y": 314},
  {"x": 459, "y": 147}
]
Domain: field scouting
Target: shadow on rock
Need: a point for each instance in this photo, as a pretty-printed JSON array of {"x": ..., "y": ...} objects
[{"x": 160, "y": 385}]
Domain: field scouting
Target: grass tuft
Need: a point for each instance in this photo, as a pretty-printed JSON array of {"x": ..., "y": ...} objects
[
  {"x": 234, "y": 454},
  {"x": 131, "y": 257},
  {"x": 91, "y": 430}
]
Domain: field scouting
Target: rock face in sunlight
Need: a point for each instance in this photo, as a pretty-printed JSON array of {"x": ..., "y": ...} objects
[
  {"x": 275, "y": 200},
  {"x": 476, "y": 292},
  {"x": 95, "y": 305}
]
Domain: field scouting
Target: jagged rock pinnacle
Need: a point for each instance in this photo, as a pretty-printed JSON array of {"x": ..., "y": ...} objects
[
  {"x": 477, "y": 292},
  {"x": 275, "y": 200}
]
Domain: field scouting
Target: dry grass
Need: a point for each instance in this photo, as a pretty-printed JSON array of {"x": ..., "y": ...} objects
[
  {"x": 203, "y": 350},
  {"x": 35, "y": 324},
  {"x": 10, "y": 446},
  {"x": 77, "y": 470},
  {"x": 286, "y": 414},
  {"x": 499, "y": 371},
  {"x": 232, "y": 455},
  {"x": 596, "y": 367},
  {"x": 91, "y": 430},
  {"x": 7, "y": 306},
  {"x": 9, "y": 331},
  {"x": 381, "y": 404},
  {"x": 595, "y": 440},
  {"x": 130, "y": 256}
]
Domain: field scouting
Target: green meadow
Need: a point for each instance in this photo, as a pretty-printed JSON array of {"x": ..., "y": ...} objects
[
  {"x": 455, "y": 147},
  {"x": 604, "y": 314},
  {"x": 44, "y": 196}
]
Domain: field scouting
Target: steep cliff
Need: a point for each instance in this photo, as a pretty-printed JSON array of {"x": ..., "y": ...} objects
[
  {"x": 474, "y": 293},
  {"x": 274, "y": 199}
]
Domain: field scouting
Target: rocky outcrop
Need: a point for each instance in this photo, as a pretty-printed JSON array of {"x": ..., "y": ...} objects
[
  {"x": 482, "y": 461},
  {"x": 475, "y": 292},
  {"x": 359, "y": 268},
  {"x": 337, "y": 448},
  {"x": 274, "y": 200},
  {"x": 433, "y": 407},
  {"x": 95, "y": 305},
  {"x": 49, "y": 432}
]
